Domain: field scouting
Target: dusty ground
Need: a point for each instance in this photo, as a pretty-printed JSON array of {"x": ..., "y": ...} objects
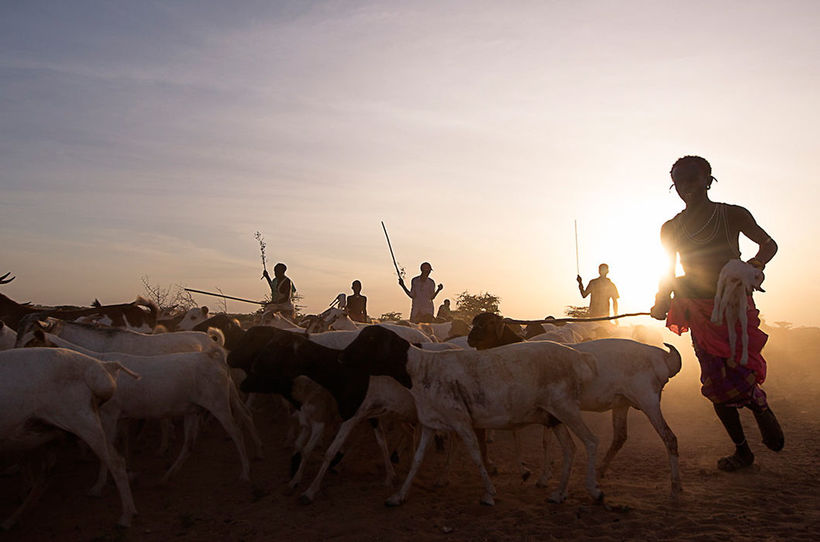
[{"x": 778, "y": 499}]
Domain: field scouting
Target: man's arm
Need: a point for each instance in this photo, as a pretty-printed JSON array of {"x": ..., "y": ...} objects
[
  {"x": 747, "y": 225},
  {"x": 584, "y": 291},
  {"x": 663, "y": 297},
  {"x": 615, "y": 297},
  {"x": 438, "y": 289},
  {"x": 403, "y": 287}
]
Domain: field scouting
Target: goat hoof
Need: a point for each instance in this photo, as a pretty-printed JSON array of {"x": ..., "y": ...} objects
[
  {"x": 395, "y": 500},
  {"x": 487, "y": 500},
  {"x": 305, "y": 499},
  {"x": 557, "y": 497}
]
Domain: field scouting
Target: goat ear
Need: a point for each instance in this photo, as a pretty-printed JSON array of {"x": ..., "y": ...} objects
[{"x": 204, "y": 311}]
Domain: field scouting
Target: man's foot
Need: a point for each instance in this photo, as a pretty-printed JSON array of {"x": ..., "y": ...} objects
[
  {"x": 740, "y": 460},
  {"x": 770, "y": 430}
]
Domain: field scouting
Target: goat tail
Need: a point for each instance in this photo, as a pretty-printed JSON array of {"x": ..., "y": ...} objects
[
  {"x": 673, "y": 360},
  {"x": 114, "y": 367}
]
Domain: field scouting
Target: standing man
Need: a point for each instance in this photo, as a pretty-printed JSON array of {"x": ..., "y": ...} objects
[
  {"x": 422, "y": 291},
  {"x": 281, "y": 291},
  {"x": 600, "y": 290},
  {"x": 357, "y": 304},
  {"x": 705, "y": 236}
]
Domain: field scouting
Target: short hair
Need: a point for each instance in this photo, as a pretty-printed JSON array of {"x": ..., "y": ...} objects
[
  {"x": 281, "y": 266},
  {"x": 603, "y": 265},
  {"x": 697, "y": 162},
  {"x": 355, "y": 282}
]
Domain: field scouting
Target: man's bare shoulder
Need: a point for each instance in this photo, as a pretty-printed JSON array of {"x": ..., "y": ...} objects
[{"x": 738, "y": 215}]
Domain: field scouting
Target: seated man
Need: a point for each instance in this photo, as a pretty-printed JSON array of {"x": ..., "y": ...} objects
[{"x": 357, "y": 304}]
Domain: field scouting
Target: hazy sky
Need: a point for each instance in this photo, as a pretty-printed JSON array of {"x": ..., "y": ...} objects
[{"x": 154, "y": 138}]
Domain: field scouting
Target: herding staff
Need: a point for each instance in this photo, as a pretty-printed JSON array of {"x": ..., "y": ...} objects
[
  {"x": 226, "y": 296},
  {"x": 391, "y": 251},
  {"x": 577, "y": 268},
  {"x": 561, "y": 320}
]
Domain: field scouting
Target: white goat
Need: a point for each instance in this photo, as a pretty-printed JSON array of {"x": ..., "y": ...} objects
[
  {"x": 178, "y": 384},
  {"x": 59, "y": 388},
  {"x": 192, "y": 317},
  {"x": 501, "y": 388},
  {"x": 737, "y": 281},
  {"x": 120, "y": 340}
]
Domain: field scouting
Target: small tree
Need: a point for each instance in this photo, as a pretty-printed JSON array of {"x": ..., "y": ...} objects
[
  {"x": 170, "y": 298},
  {"x": 390, "y": 317},
  {"x": 575, "y": 311},
  {"x": 469, "y": 304}
]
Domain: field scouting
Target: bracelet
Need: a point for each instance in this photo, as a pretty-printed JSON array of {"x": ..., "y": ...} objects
[{"x": 757, "y": 263}]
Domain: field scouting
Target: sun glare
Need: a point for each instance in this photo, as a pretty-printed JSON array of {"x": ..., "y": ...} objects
[{"x": 636, "y": 269}]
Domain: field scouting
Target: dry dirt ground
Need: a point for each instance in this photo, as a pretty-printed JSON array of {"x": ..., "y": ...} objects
[{"x": 777, "y": 499}]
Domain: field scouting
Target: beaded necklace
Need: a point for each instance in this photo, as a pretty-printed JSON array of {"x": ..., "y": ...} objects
[{"x": 717, "y": 219}]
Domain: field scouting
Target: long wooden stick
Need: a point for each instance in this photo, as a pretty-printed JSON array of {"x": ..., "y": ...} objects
[
  {"x": 577, "y": 267},
  {"x": 561, "y": 320},
  {"x": 391, "y": 251},
  {"x": 226, "y": 296}
]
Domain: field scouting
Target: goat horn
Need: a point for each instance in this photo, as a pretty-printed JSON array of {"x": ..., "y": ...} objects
[{"x": 3, "y": 278}]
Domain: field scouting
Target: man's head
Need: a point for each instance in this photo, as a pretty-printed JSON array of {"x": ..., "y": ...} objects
[
  {"x": 447, "y": 303},
  {"x": 603, "y": 269},
  {"x": 425, "y": 268},
  {"x": 357, "y": 287},
  {"x": 691, "y": 177},
  {"x": 279, "y": 269}
]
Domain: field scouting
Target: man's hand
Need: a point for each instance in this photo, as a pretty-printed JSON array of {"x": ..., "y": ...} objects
[
  {"x": 401, "y": 281},
  {"x": 265, "y": 274},
  {"x": 661, "y": 307},
  {"x": 580, "y": 280},
  {"x": 439, "y": 288}
]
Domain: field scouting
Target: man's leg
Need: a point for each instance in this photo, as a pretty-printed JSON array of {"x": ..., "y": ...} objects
[
  {"x": 770, "y": 429},
  {"x": 743, "y": 456}
]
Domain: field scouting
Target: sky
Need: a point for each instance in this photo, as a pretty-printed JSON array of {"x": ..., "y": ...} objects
[{"x": 152, "y": 139}]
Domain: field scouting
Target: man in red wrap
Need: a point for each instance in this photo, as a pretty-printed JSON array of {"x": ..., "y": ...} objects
[{"x": 705, "y": 235}]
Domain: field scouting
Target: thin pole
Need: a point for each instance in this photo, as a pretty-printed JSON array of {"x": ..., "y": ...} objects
[
  {"x": 391, "y": 251},
  {"x": 559, "y": 320},
  {"x": 577, "y": 267},
  {"x": 225, "y": 296}
]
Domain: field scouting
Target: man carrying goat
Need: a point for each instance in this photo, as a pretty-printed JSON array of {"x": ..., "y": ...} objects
[{"x": 705, "y": 235}]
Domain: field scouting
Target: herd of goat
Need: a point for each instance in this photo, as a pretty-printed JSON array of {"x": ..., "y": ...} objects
[
  {"x": 88, "y": 371},
  {"x": 64, "y": 371}
]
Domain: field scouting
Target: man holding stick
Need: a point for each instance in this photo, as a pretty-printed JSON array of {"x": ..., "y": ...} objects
[
  {"x": 705, "y": 236},
  {"x": 282, "y": 290},
  {"x": 423, "y": 291}
]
